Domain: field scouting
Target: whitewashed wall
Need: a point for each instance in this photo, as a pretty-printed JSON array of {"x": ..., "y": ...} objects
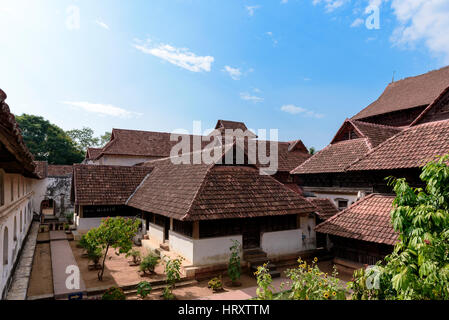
[
  {"x": 19, "y": 209},
  {"x": 282, "y": 242},
  {"x": 182, "y": 245},
  {"x": 156, "y": 232},
  {"x": 352, "y": 198},
  {"x": 213, "y": 250}
]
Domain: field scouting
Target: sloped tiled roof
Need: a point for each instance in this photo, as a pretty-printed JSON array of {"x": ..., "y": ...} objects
[
  {"x": 59, "y": 170},
  {"x": 93, "y": 153},
  {"x": 13, "y": 151},
  {"x": 408, "y": 93},
  {"x": 412, "y": 148},
  {"x": 205, "y": 192},
  {"x": 335, "y": 157},
  {"x": 367, "y": 220},
  {"x": 105, "y": 185},
  {"x": 342, "y": 151},
  {"x": 325, "y": 207}
]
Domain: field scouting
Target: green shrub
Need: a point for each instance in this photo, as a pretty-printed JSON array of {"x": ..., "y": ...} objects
[
  {"x": 234, "y": 266},
  {"x": 264, "y": 280},
  {"x": 215, "y": 284},
  {"x": 114, "y": 293},
  {"x": 144, "y": 289},
  {"x": 136, "y": 256},
  {"x": 149, "y": 263},
  {"x": 173, "y": 273}
]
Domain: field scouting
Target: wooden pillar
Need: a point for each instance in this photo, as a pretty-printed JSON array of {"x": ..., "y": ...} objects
[
  {"x": 196, "y": 230},
  {"x": 81, "y": 213},
  {"x": 298, "y": 221},
  {"x": 171, "y": 224}
]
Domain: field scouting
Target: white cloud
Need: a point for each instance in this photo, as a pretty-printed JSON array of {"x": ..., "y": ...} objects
[
  {"x": 234, "y": 73},
  {"x": 102, "y": 24},
  {"x": 72, "y": 21},
  {"x": 271, "y": 36},
  {"x": 284, "y": 1},
  {"x": 102, "y": 109},
  {"x": 180, "y": 57},
  {"x": 330, "y": 5},
  {"x": 292, "y": 109},
  {"x": 248, "y": 97},
  {"x": 357, "y": 22},
  {"x": 252, "y": 9},
  {"x": 423, "y": 21}
]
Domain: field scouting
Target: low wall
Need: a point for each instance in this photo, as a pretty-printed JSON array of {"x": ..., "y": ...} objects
[
  {"x": 213, "y": 250},
  {"x": 156, "y": 232},
  {"x": 182, "y": 245},
  {"x": 282, "y": 242}
]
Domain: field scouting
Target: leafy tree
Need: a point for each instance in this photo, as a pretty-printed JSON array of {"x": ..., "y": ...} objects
[
  {"x": 312, "y": 150},
  {"x": 48, "y": 142},
  {"x": 105, "y": 138},
  {"x": 114, "y": 233},
  {"x": 234, "y": 267},
  {"x": 418, "y": 268},
  {"x": 84, "y": 138}
]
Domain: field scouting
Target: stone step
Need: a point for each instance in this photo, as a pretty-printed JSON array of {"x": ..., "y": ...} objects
[
  {"x": 253, "y": 254},
  {"x": 274, "y": 274},
  {"x": 164, "y": 246}
]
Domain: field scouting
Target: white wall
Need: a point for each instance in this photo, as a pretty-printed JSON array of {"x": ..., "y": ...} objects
[
  {"x": 52, "y": 188},
  {"x": 203, "y": 251},
  {"x": 156, "y": 233},
  {"x": 352, "y": 198},
  {"x": 181, "y": 245},
  {"x": 282, "y": 242},
  {"x": 308, "y": 237},
  {"x": 16, "y": 208}
]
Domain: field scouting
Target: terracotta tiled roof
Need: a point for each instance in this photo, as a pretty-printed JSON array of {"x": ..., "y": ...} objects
[
  {"x": 204, "y": 192},
  {"x": 223, "y": 125},
  {"x": 325, "y": 207},
  {"x": 376, "y": 133},
  {"x": 335, "y": 157},
  {"x": 411, "y": 148},
  {"x": 93, "y": 153},
  {"x": 342, "y": 152},
  {"x": 408, "y": 93},
  {"x": 141, "y": 143},
  {"x": 367, "y": 220},
  {"x": 13, "y": 150},
  {"x": 59, "y": 170},
  {"x": 105, "y": 185}
]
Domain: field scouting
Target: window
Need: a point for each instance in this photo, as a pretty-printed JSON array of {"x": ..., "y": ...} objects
[
  {"x": 342, "y": 204},
  {"x": 12, "y": 189},
  {"x": 15, "y": 229},
  {"x": 2, "y": 189},
  {"x": 5, "y": 246},
  {"x": 21, "y": 221}
]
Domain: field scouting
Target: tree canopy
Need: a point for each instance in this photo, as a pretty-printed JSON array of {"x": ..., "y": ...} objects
[
  {"x": 48, "y": 142},
  {"x": 418, "y": 268}
]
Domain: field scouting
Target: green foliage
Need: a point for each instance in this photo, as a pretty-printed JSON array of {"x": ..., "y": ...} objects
[
  {"x": 149, "y": 263},
  {"x": 135, "y": 254},
  {"x": 234, "y": 266},
  {"x": 144, "y": 289},
  {"x": 309, "y": 283},
  {"x": 418, "y": 268},
  {"x": 312, "y": 150},
  {"x": 48, "y": 142},
  {"x": 114, "y": 233},
  {"x": 83, "y": 138},
  {"x": 173, "y": 273},
  {"x": 167, "y": 294},
  {"x": 105, "y": 138},
  {"x": 94, "y": 254},
  {"x": 114, "y": 293},
  {"x": 264, "y": 280},
  {"x": 215, "y": 284},
  {"x": 69, "y": 217}
]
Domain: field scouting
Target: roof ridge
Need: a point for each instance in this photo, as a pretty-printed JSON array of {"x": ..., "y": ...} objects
[
  {"x": 430, "y": 106},
  {"x": 375, "y": 148},
  {"x": 376, "y": 124},
  {"x": 419, "y": 75}
]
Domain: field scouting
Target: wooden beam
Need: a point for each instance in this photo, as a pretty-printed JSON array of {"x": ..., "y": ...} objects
[{"x": 196, "y": 230}]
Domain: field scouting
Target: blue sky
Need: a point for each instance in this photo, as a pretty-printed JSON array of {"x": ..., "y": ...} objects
[{"x": 301, "y": 66}]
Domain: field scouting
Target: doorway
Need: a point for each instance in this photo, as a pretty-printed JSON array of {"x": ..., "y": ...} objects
[{"x": 251, "y": 234}]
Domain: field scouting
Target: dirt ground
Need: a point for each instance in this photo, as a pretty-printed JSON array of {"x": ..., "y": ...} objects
[
  {"x": 117, "y": 270},
  {"x": 41, "y": 280}
]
